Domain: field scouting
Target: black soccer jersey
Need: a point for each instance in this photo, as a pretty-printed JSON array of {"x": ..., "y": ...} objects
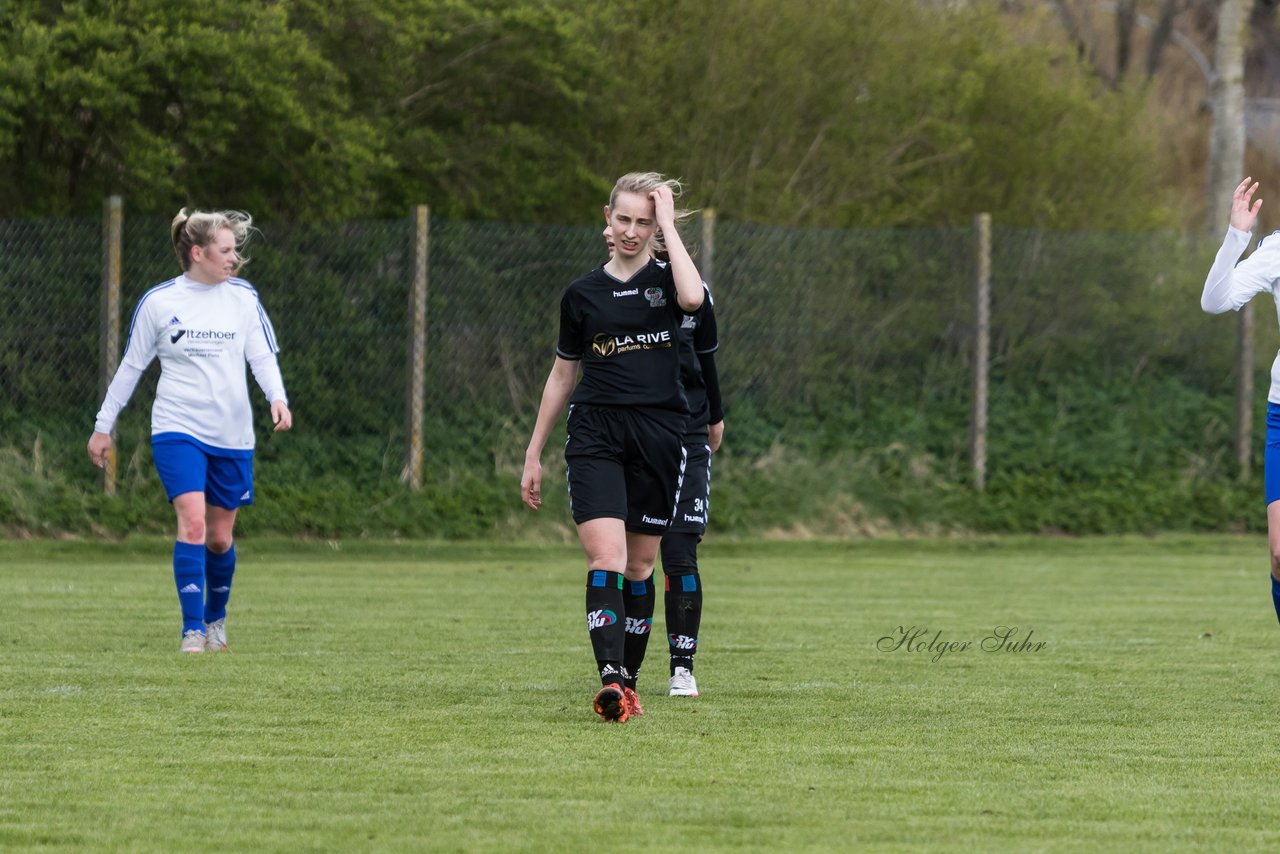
[
  {"x": 626, "y": 335},
  {"x": 697, "y": 335}
]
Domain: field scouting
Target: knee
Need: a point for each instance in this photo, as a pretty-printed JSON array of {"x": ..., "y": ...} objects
[
  {"x": 191, "y": 528},
  {"x": 607, "y": 561},
  {"x": 680, "y": 554},
  {"x": 638, "y": 570},
  {"x": 218, "y": 542}
]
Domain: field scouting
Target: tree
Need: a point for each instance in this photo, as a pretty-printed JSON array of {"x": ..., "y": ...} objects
[
  {"x": 1226, "y": 168},
  {"x": 876, "y": 112},
  {"x": 1078, "y": 21},
  {"x": 218, "y": 102},
  {"x": 483, "y": 105}
]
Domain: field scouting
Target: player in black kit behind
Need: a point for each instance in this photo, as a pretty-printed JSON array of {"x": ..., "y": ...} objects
[
  {"x": 624, "y": 455},
  {"x": 702, "y": 436}
]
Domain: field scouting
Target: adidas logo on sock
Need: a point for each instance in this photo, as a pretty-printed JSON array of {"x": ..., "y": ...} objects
[
  {"x": 220, "y": 590},
  {"x": 190, "y": 588}
]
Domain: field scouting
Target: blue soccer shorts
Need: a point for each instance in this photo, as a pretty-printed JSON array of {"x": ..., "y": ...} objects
[{"x": 186, "y": 465}]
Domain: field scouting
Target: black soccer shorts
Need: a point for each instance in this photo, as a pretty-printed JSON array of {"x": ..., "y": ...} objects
[
  {"x": 695, "y": 492},
  {"x": 624, "y": 464}
]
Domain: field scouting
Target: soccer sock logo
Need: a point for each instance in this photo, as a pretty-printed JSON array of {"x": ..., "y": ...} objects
[
  {"x": 604, "y": 607},
  {"x": 600, "y": 618},
  {"x": 682, "y": 642}
]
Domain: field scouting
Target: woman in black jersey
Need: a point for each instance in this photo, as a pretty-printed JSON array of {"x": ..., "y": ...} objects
[{"x": 623, "y": 455}]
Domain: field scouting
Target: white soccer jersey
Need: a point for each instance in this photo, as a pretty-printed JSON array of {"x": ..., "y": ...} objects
[
  {"x": 1230, "y": 287},
  {"x": 203, "y": 335}
]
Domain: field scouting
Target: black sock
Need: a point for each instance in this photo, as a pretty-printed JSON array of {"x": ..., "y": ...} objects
[
  {"x": 606, "y": 622},
  {"x": 639, "y": 598},
  {"x": 683, "y": 597}
]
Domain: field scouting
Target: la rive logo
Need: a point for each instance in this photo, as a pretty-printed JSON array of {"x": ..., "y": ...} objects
[{"x": 606, "y": 344}]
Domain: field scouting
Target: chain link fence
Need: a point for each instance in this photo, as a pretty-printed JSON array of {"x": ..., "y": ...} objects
[{"x": 821, "y": 330}]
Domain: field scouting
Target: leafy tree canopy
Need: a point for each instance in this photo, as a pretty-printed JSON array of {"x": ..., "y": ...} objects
[{"x": 828, "y": 112}]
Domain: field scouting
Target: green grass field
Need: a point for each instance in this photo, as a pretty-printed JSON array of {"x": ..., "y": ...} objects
[{"x": 421, "y": 696}]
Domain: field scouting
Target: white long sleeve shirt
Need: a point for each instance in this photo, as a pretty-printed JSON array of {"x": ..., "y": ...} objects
[
  {"x": 1230, "y": 286},
  {"x": 203, "y": 335}
]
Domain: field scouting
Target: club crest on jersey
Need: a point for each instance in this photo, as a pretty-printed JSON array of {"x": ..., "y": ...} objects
[{"x": 655, "y": 296}]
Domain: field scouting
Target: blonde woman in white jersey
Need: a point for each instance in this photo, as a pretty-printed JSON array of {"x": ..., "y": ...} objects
[
  {"x": 204, "y": 325},
  {"x": 1230, "y": 287}
]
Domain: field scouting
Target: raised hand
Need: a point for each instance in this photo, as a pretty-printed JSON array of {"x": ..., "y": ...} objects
[{"x": 1244, "y": 216}]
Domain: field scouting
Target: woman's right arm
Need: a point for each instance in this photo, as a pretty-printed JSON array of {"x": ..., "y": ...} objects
[
  {"x": 555, "y": 396},
  {"x": 139, "y": 350},
  {"x": 1228, "y": 286}
]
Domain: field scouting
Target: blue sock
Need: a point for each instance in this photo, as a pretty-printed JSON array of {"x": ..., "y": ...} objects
[
  {"x": 188, "y": 575},
  {"x": 1275, "y": 595},
  {"x": 218, "y": 569}
]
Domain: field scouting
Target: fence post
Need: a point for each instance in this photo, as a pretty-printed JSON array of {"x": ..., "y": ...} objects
[
  {"x": 109, "y": 335},
  {"x": 706, "y": 261},
  {"x": 981, "y": 348},
  {"x": 412, "y": 473}
]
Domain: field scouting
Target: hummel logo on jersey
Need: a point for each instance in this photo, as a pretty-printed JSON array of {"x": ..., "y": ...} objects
[
  {"x": 173, "y": 339},
  {"x": 649, "y": 520},
  {"x": 190, "y": 588},
  {"x": 683, "y": 641},
  {"x": 630, "y": 293},
  {"x": 689, "y": 322}
]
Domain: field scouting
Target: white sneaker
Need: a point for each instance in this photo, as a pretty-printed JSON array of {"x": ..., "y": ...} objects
[
  {"x": 683, "y": 684},
  {"x": 192, "y": 641},
  {"x": 216, "y": 635}
]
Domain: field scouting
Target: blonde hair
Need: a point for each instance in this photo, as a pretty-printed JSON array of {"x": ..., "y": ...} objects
[
  {"x": 644, "y": 183},
  {"x": 199, "y": 228}
]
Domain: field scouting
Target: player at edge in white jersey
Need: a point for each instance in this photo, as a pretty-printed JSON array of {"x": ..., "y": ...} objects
[{"x": 204, "y": 326}]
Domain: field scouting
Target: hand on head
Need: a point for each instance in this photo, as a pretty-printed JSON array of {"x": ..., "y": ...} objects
[{"x": 664, "y": 206}]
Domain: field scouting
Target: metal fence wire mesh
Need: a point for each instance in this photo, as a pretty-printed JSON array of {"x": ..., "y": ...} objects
[{"x": 822, "y": 322}]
